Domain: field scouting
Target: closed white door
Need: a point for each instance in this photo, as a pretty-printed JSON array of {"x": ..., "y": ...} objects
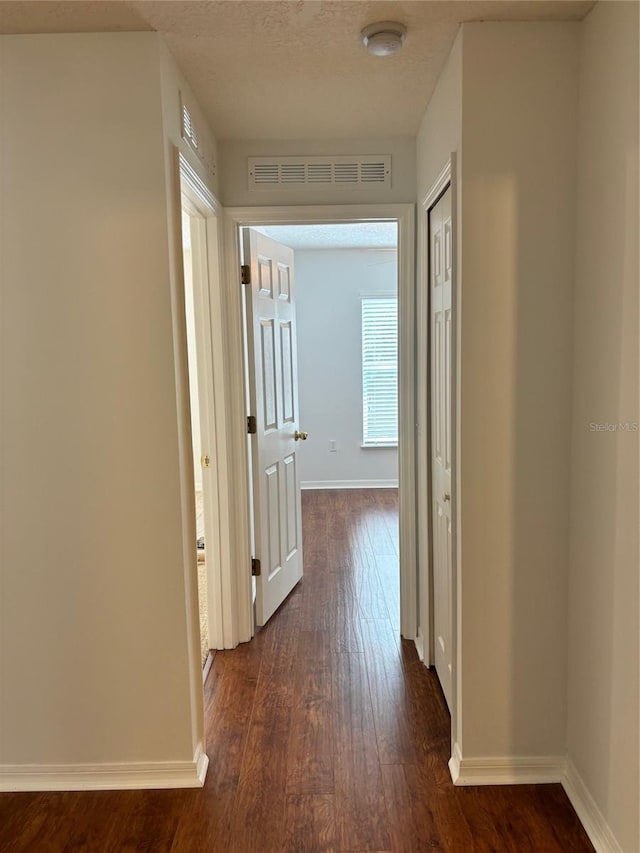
[
  {"x": 273, "y": 399},
  {"x": 440, "y": 266}
]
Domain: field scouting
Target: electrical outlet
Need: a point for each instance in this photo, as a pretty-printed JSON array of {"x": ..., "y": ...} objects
[{"x": 333, "y": 445}]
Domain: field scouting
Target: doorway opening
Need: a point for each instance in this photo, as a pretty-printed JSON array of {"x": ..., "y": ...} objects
[
  {"x": 342, "y": 284},
  {"x": 201, "y": 374},
  {"x": 436, "y": 461},
  {"x": 358, "y": 293}
]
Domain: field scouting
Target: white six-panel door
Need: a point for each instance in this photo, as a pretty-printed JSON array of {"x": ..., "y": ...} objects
[
  {"x": 273, "y": 393},
  {"x": 440, "y": 266}
]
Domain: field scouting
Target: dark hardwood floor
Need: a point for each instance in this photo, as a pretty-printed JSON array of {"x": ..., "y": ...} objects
[{"x": 324, "y": 734}]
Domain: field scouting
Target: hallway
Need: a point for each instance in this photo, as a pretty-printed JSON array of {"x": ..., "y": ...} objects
[{"x": 325, "y": 734}]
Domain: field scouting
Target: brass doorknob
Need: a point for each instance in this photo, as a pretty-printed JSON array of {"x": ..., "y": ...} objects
[{"x": 300, "y": 436}]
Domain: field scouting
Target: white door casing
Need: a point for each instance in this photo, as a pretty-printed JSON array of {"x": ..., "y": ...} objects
[
  {"x": 204, "y": 395},
  {"x": 273, "y": 396},
  {"x": 440, "y": 288},
  {"x": 197, "y": 200},
  {"x": 236, "y": 571}
]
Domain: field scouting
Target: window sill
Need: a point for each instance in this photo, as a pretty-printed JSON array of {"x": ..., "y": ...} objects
[{"x": 388, "y": 446}]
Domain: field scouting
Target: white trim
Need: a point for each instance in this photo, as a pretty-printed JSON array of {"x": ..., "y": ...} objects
[
  {"x": 448, "y": 177},
  {"x": 349, "y": 484},
  {"x": 373, "y": 294},
  {"x": 185, "y": 450},
  {"x": 419, "y": 644},
  {"x": 440, "y": 184},
  {"x": 423, "y": 461},
  {"x": 591, "y": 817},
  {"x": 198, "y": 202},
  {"x": 506, "y": 770},
  {"x": 454, "y": 763},
  {"x": 106, "y": 777},
  {"x": 235, "y": 218},
  {"x": 214, "y": 394},
  {"x": 206, "y": 669},
  {"x": 238, "y": 467},
  {"x": 197, "y": 186},
  {"x": 389, "y": 445},
  {"x": 223, "y": 627},
  {"x": 528, "y": 770},
  {"x": 456, "y": 407},
  {"x": 407, "y": 423}
]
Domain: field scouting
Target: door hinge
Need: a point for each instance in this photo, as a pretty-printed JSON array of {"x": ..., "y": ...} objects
[
  {"x": 252, "y": 425},
  {"x": 255, "y": 567},
  {"x": 205, "y": 460},
  {"x": 245, "y": 274}
]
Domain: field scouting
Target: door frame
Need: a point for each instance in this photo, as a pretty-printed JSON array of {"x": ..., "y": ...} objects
[
  {"x": 202, "y": 199},
  {"x": 199, "y": 203},
  {"x": 234, "y": 220},
  {"x": 425, "y": 644}
]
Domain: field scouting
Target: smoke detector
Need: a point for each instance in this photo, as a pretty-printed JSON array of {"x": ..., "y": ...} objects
[{"x": 385, "y": 38}]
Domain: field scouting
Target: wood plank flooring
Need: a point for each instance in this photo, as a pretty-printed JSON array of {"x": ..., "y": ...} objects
[{"x": 325, "y": 734}]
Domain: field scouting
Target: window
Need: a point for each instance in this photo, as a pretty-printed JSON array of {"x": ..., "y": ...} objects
[{"x": 379, "y": 370}]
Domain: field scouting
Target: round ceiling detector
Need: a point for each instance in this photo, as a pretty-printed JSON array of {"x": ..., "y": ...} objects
[{"x": 384, "y": 38}]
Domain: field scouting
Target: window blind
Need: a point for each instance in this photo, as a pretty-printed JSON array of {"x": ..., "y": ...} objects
[{"x": 379, "y": 370}]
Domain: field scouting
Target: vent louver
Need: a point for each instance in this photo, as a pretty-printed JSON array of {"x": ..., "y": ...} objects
[
  {"x": 188, "y": 128},
  {"x": 294, "y": 172},
  {"x": 189, "y": 132}
]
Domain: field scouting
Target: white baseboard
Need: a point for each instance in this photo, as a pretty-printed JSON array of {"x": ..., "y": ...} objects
[
  {"x": 419, "y": 646},
  {"x": 516, "y": 770},
  {"x": 454, "y": 764},
  {"x": 349, "y": 484},
  {"x": 519, "y": 770},
  {"x": 587, "y": 810},
  {"x": 505, "y": 770},
  {"x": 105, "y": 777}
]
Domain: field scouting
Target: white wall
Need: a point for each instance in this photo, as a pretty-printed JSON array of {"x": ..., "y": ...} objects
[
  {"x": 506, "y": 104},
  {"x": 603, "y": 714},
  {"x": 235, "y": 191},
  {"x": 440, "y": 131},
  {"x": 439, "y": 136},
  {"x": 518, "y": 185},
  {"x": 93, "y": 542},
  {"x": 548, "y": 506},
  {"x": 328, "y": 287}
]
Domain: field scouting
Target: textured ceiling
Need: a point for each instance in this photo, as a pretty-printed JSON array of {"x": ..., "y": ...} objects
[
  {"x": 72, "y": 16},
  {"x": 294, "y": 69},
  {"x": 365, "y": 235}
]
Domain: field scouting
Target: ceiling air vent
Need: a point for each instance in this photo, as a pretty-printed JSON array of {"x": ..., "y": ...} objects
[{"x": 269, "y": 173}]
